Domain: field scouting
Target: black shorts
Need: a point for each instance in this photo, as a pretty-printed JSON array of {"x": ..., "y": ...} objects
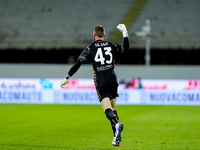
[{"x": 107, "y": 91}]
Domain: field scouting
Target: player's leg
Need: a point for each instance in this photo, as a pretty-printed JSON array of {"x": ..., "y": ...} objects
[
  {"x": 104, "y": 97},
  {"x": 113, "y": 101},
  {"x": 118, "y": 128},
  {"x": 103, "y": 94},
  {"x": 116, "y": 141},
  {"x": 114, "y": 94},
  {"x": 106, "y": 105},
  {"x": 113, "y": 105}
]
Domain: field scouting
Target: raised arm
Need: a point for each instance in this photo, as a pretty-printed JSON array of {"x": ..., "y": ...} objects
[{"x": 124, "y": 31}]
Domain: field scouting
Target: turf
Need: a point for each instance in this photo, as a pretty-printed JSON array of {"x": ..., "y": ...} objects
[{"x": 77, "y": 127}]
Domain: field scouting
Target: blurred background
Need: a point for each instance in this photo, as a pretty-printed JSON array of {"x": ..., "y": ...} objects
[
  {"x": 44, "y": 38},
  {"x": 40, "y": 40}
]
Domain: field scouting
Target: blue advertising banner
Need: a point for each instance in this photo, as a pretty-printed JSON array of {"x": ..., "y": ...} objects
[{"x": 82, "y": 91}]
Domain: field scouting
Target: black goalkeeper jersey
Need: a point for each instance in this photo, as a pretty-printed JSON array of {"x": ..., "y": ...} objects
[{"x": 101, "y": 55}]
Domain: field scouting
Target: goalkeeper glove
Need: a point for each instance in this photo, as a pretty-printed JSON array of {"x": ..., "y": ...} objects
[
  {"x": 123, "y": 29},
  {"x": 64, "y": 81}
]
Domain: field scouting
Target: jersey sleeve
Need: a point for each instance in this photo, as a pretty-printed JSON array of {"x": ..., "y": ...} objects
[
  {"x": 81, "y": 59},
  {"x": 74, "y": 68},
  {"x": 120, "y": 48},
  {"x": 84, "y": 55},
  {"x": 123, "y": 48}
]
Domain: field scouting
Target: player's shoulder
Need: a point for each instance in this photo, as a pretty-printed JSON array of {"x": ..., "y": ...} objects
[
  {"x": 87, "y": 48},
  {"x": 112, "y": 44},
  {"x": 117, "y": 47}
]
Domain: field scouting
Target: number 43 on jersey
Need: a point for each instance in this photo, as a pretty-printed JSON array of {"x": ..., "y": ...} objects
[{"x": 100, "y": 58}]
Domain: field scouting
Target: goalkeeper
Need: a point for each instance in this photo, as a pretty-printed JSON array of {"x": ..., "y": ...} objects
[{"x": 101, "y": 54}]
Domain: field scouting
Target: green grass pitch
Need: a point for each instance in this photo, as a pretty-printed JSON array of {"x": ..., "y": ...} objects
[{"x": 77, "y": 127}]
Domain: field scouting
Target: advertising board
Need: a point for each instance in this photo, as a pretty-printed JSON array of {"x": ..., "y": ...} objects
[{"x": 82, "y": 91}]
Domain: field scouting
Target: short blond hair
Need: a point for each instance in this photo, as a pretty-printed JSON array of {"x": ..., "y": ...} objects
[{"x": 99, "y": 30}]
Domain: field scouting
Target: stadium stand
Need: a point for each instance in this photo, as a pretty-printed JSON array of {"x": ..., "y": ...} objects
[
  {"x": 69, "y": 23},
  {"x": 175, "y": 24},
  {"x": 64, "y": 28},
  {"x": 56, "y": 23},
  {"x": 130, "y": 16}
]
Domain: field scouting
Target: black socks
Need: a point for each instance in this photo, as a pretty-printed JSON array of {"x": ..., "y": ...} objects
[{"x": 113, "y": 117}]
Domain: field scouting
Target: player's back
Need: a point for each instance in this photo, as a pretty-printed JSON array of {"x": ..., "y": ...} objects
[{"x": 102, "y": 56}]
